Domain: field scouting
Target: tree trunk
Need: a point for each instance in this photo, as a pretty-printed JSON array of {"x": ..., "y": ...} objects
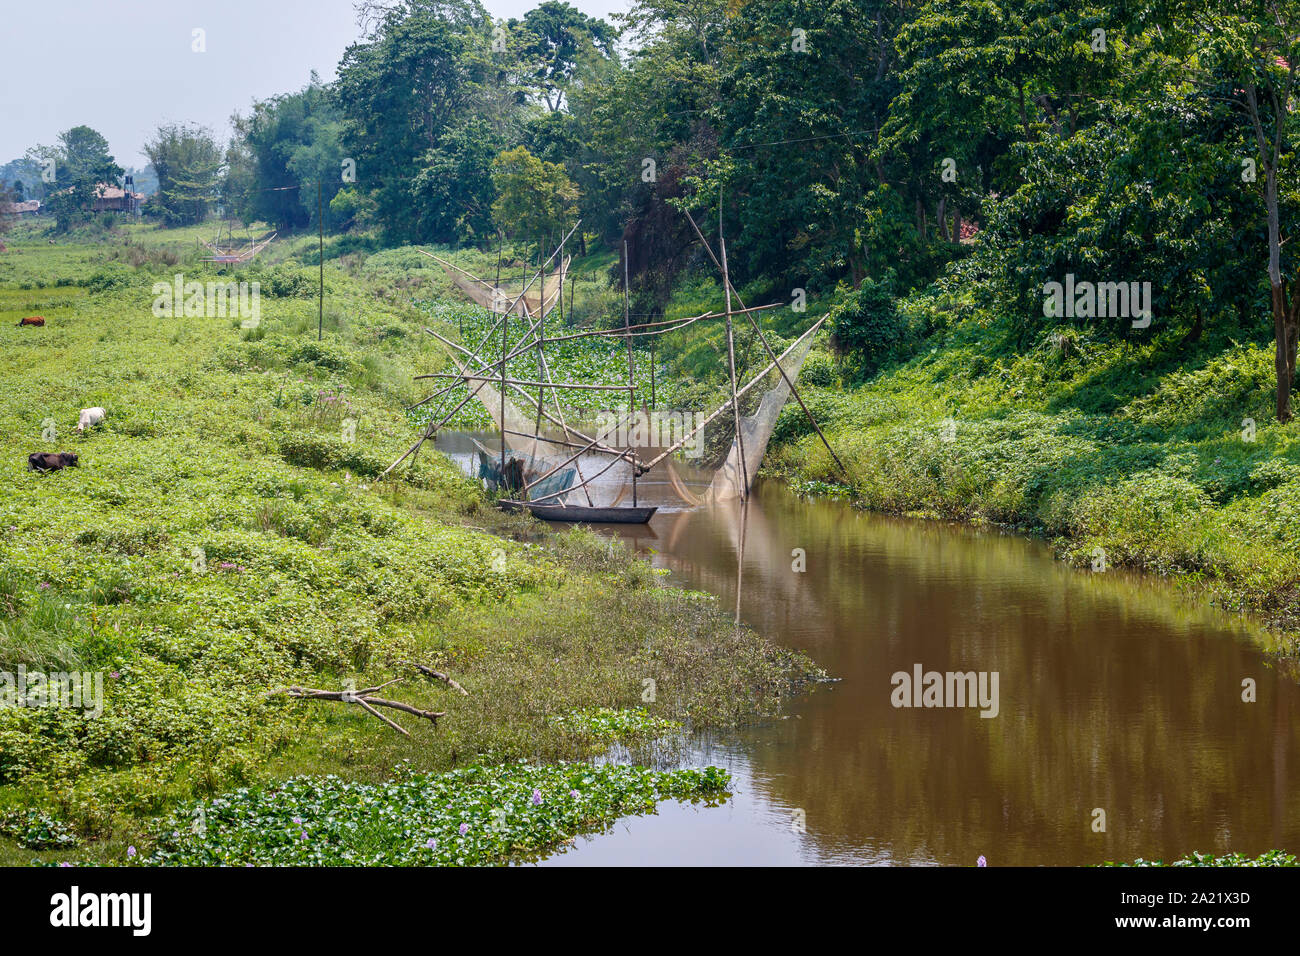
[
  {"x": 1282, "y": 360},
  {"x": 1284, "y": 330},
  {"x": 941, "y": 219}
]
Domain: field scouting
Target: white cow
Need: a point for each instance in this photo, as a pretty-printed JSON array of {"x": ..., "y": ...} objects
[{"x": 90, "y": 416}]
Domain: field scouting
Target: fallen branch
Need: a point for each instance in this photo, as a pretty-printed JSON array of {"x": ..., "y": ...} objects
[
  {"x": 364, "y": 697},
  {"x": 430, "y": 672}
]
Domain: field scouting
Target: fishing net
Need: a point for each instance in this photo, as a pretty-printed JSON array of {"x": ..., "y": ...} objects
[
  {"x": 731, "y": 480},
  {"x": 497, "y": 300}
]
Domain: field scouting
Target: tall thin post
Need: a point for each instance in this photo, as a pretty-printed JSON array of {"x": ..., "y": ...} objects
[
  {"x": 731, "y": 360},
  {"x": 653, "y": 403},
  {"x": 505, "y": 345},
  {"x": 770, "y": 354},
  {"x": 496, "y": 289},
  {"x": 541, "y": 344},
  {"x": 740, "y": 558},
  {"x": 631, "y": 369},
  {"x": 320, "y": 222}
]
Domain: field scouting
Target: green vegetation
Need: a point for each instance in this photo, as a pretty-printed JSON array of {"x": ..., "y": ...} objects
[
  {"x": 1159, "y": 454},
  {"x": 1269, "y": 858},
  {"x": 225, "y": 535},
  {"x": 467, "y": 817}
]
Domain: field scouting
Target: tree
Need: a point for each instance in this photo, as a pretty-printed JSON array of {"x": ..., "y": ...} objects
[
  {"x": 424, "y": 71},
  {"x": 556, "y": 35},
  {"x": 534, "y": 198},
  {"x": 800, "y": 109},
  {"x": 1247, "y": 55},
  {"x": 187, "y": 160},
  {"x": 80, "y": 163},
  {"x": 279, "y": 153}
]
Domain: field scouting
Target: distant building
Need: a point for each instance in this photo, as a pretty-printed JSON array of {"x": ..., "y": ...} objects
[
  {"x": 112, "y": 199},
  {"x": 19, "y": 209}
]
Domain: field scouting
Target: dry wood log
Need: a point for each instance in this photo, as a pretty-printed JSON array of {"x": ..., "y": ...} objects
[
  {"x": 430, "y": 672},
  {"x": 364, "y": 697}
]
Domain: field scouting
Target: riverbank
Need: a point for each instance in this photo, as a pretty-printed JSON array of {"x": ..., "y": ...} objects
[
  {"x": 1160, "y": 456},
  {"x": 224, "y": 535}
]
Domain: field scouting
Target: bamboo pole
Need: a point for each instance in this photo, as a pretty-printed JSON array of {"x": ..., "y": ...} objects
[
  {"x": 727, "y": 404},
  {"x": 523, "y": 382},
  {"x": 731, "y": 361},
  {"x": 631, "y": 367},
  {"x": 768, "y": 348}
]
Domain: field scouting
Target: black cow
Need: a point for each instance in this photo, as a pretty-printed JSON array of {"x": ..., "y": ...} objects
[{"x": 51, "y": 461}]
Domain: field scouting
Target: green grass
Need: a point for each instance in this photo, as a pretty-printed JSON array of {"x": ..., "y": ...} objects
[{"x": 225, "y": 535}]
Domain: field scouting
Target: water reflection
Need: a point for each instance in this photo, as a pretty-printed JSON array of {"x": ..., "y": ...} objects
[{"x": 1116, "y": 693}]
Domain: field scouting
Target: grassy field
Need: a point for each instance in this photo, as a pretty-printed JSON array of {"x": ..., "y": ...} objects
[{"x": 225, "y": 535}]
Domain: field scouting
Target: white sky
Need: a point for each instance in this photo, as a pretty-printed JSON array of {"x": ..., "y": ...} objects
[{"x": 124, "y": 66}]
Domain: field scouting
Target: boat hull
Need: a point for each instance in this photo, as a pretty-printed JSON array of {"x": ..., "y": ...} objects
[{"x": 581, "y": 513}]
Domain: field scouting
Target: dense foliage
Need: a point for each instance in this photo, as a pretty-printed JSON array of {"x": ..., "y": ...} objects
[{"x": 465, "y": 817}]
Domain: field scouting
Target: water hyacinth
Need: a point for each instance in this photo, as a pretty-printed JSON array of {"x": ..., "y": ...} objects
[
  {"x": 981, "y": 861},
  {"x": 514, "y": 811}
]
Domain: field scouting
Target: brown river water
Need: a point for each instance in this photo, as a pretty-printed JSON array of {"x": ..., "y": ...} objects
[{"x": 1115, "y": 693}]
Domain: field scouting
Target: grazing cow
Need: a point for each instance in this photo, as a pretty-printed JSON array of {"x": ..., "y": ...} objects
[
  {"x": 51, "y": 460},
  {"x": 31, "y": 320},
  {"x": 89, "y": 417}
]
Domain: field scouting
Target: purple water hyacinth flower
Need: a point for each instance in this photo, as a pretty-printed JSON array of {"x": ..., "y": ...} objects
[
  {"x": 130, "y": 851},
  {"x": 575, "y": 794},
  {"x": 464, "y": 828},
  {"x": 537, "y": 798},
  {"x": 298, "y": 820},
  {"x": 981, "y": 861},
  {"x": 431, "y": 843},
  {"x": 44, "y": 585}
]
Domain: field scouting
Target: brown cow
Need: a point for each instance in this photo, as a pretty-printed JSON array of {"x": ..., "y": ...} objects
[
  {"x": 31, "y": 320},
  {"x": 43, "y": 461}
]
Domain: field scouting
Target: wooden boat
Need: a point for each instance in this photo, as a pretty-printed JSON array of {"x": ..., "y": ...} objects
[{"x": 585, "y": 514}]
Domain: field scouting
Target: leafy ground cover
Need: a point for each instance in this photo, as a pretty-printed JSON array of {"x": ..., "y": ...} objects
[
  {"x": 471, "y": 816},
  {"x": 226, "y": 535}
]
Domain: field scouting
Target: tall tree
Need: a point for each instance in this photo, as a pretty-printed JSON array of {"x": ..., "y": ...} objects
[
  {"x": 80, "y": 163},
  {"x": 556, "y": 35},
  {"x": 423, "y": 72},
  {"x": 279, "y": 153},
  {"x": 188, "y": 162}
]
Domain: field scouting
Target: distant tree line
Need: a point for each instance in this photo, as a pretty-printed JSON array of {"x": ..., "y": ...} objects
[{"x": 881, "y": 145}]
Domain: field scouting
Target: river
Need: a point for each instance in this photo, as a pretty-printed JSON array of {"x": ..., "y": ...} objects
[{"x": 1120, "y": 727}]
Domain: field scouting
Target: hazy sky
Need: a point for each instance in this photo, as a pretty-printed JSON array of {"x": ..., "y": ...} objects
[{"x": 124, "y": 66}]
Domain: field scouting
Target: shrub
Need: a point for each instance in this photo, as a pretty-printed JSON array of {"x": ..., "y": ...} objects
[{"x": 866, "y": 325}]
